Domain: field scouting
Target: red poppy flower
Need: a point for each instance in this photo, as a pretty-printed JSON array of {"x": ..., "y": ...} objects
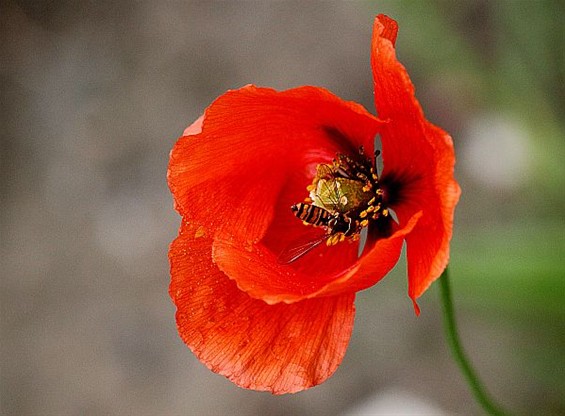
[{"x": 284, "y": 326}]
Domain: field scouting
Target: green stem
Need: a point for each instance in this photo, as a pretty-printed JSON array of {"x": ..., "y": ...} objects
[{"x": 457, "y": 350}]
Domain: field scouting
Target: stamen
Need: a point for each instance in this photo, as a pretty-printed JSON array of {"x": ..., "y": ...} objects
[{"x": 334, "y": 239}]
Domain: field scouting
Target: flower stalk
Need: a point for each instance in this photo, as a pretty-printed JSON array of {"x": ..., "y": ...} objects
[{"x": 459, "y": 355}]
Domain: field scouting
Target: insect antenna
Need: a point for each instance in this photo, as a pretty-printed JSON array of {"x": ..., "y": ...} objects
[{"x": 378, "y": 146}]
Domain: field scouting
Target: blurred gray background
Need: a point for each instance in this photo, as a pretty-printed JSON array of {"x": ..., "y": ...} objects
[{"x": 93, "y": 96}]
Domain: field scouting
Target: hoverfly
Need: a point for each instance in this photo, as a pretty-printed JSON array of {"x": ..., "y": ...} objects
[
  {"x": 338, "y": 227},
  {"x": 344, "y": 198}
]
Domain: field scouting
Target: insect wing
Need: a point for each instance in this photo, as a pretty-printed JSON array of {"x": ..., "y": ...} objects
[
  {"x": 296, "y": 250},
  {"x": 325, "y": 171}
]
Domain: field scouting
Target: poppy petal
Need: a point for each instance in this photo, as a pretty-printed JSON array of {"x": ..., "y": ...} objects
[
  {"x": 418, "y": 157},
  {"x": 258, "y": 273},
  {"x": 194, "y": 128},
  {"x": 280, "y": 348},
  {"x": 374, "y": 265},
  {"x": 255, "y": 136}
]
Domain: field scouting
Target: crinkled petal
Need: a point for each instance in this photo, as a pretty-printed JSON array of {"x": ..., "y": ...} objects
[
  {"x": 418, "y": 158},
  {"x": 279, "y": 348},
  {"x": 253, "y": 144}
]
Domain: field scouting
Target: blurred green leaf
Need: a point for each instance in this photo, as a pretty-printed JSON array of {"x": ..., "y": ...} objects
[{"x": 516, "y": 268}]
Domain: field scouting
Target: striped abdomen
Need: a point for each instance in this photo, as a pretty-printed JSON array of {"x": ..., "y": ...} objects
[{"x": 312, "y": 214}]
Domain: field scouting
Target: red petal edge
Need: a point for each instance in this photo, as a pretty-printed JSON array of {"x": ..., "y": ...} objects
[
  {"x": 416, "y": 151},
  {"x": 281, "y": 348},
  {"x": 260, "y": 275}
]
